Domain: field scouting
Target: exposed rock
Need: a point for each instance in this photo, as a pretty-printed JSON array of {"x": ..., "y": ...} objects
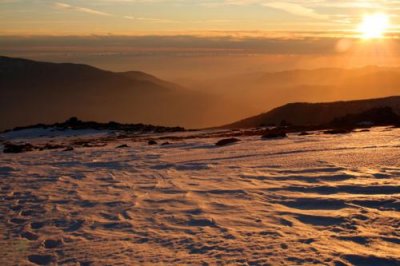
[
  {"x": 76, "y": 124},
  {"x": 275, "y": 134},
  {"x": 41, "y": 259},
  {"x": 224, "y": 142},
  {"x": 165, "y": 143},
  {"x": 18, "y": 148},
  {"x": 88, "y": 143},
  {"x": 202, "y": 222},
  {"x": 51, "y": 147},
  {"x": 29, "y": 235},
  {"x": 304, "y": 133},
  {"x": 50, "y": 243},
  {"x": 37, "y": 225},
  {"x": 337, "y": 131},
  {"x": 122, "y": 146},
  {"x": 152, "y": 142}
]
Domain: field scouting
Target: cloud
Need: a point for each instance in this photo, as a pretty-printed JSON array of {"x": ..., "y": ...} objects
[
  {"x": 65, "y": 6},
  {"x": 155, "y": 20},
  {"x": 295, "y": 9},
  {"x": 293, "y": 44}
]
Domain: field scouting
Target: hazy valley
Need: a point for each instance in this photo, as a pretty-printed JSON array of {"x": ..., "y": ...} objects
[{"x": 36, "y": 92}]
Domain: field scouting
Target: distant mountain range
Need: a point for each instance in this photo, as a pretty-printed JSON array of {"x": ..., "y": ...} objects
[
  {"x": 34, "y": 92},
  {"x": 38, "y": 92},
  {"x": 261, "y": 91},
  {"x": 313, "y": 114}
]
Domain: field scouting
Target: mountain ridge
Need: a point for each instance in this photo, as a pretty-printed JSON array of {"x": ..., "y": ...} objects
[
  {"x": 312, "y": 114},
  {"x": 34, "y": 92}
]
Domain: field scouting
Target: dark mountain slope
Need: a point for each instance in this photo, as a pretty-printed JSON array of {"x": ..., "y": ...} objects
[
  {"x": 306, "y": 114},
  {"x": 142, "y": 76},
  {"x": 37, "y": 92}
]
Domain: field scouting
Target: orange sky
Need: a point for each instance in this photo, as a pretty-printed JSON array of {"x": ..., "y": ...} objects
[
  {"x": 133, "y": 17},
  {"x": 201, "y": 37}
]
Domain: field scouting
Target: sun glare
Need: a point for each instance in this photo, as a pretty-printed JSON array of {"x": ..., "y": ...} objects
[{"x": 374, "y": 26}]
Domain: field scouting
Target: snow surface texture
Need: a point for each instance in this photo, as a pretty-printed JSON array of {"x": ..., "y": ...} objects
[{"x": 318, "y": 199}]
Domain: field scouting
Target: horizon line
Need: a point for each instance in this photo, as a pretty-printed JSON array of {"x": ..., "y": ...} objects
[{"x": 211, "y": 33}]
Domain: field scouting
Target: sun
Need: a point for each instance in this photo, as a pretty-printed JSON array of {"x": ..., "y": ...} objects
[{"x": 374, "y": 26}]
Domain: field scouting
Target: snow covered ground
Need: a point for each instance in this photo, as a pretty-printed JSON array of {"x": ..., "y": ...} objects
[{"x": 304, "y": 200}]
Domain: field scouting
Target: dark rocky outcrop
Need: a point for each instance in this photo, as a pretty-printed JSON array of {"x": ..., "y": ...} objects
[
  {"x": 338, "y": 131},
  {"x": 122, "y": 146},
  {"x": 51, "y": 147},
  {"x": 52, "y": 243},
  {"x": 224, "y": 142},
  {"x": 304, "y": 133},
  {"x": 68, "y": 148},
  {"x": 274, "y": 134},
  {"x": 42, "y": 259},
  {"x": 75, "y": 124},
  {"x": 152, "y": 142},
  {"x": 18, "y": 148}
]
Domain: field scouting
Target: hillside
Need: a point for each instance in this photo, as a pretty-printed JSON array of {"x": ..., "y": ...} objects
[
  {"x": 306, "y": 114},
  {"x": 39, "y": 92},
  {"x": 34, "y": 92}
]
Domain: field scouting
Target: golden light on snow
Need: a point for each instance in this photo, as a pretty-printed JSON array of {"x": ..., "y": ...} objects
[{"x": 374, "y": 26}]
